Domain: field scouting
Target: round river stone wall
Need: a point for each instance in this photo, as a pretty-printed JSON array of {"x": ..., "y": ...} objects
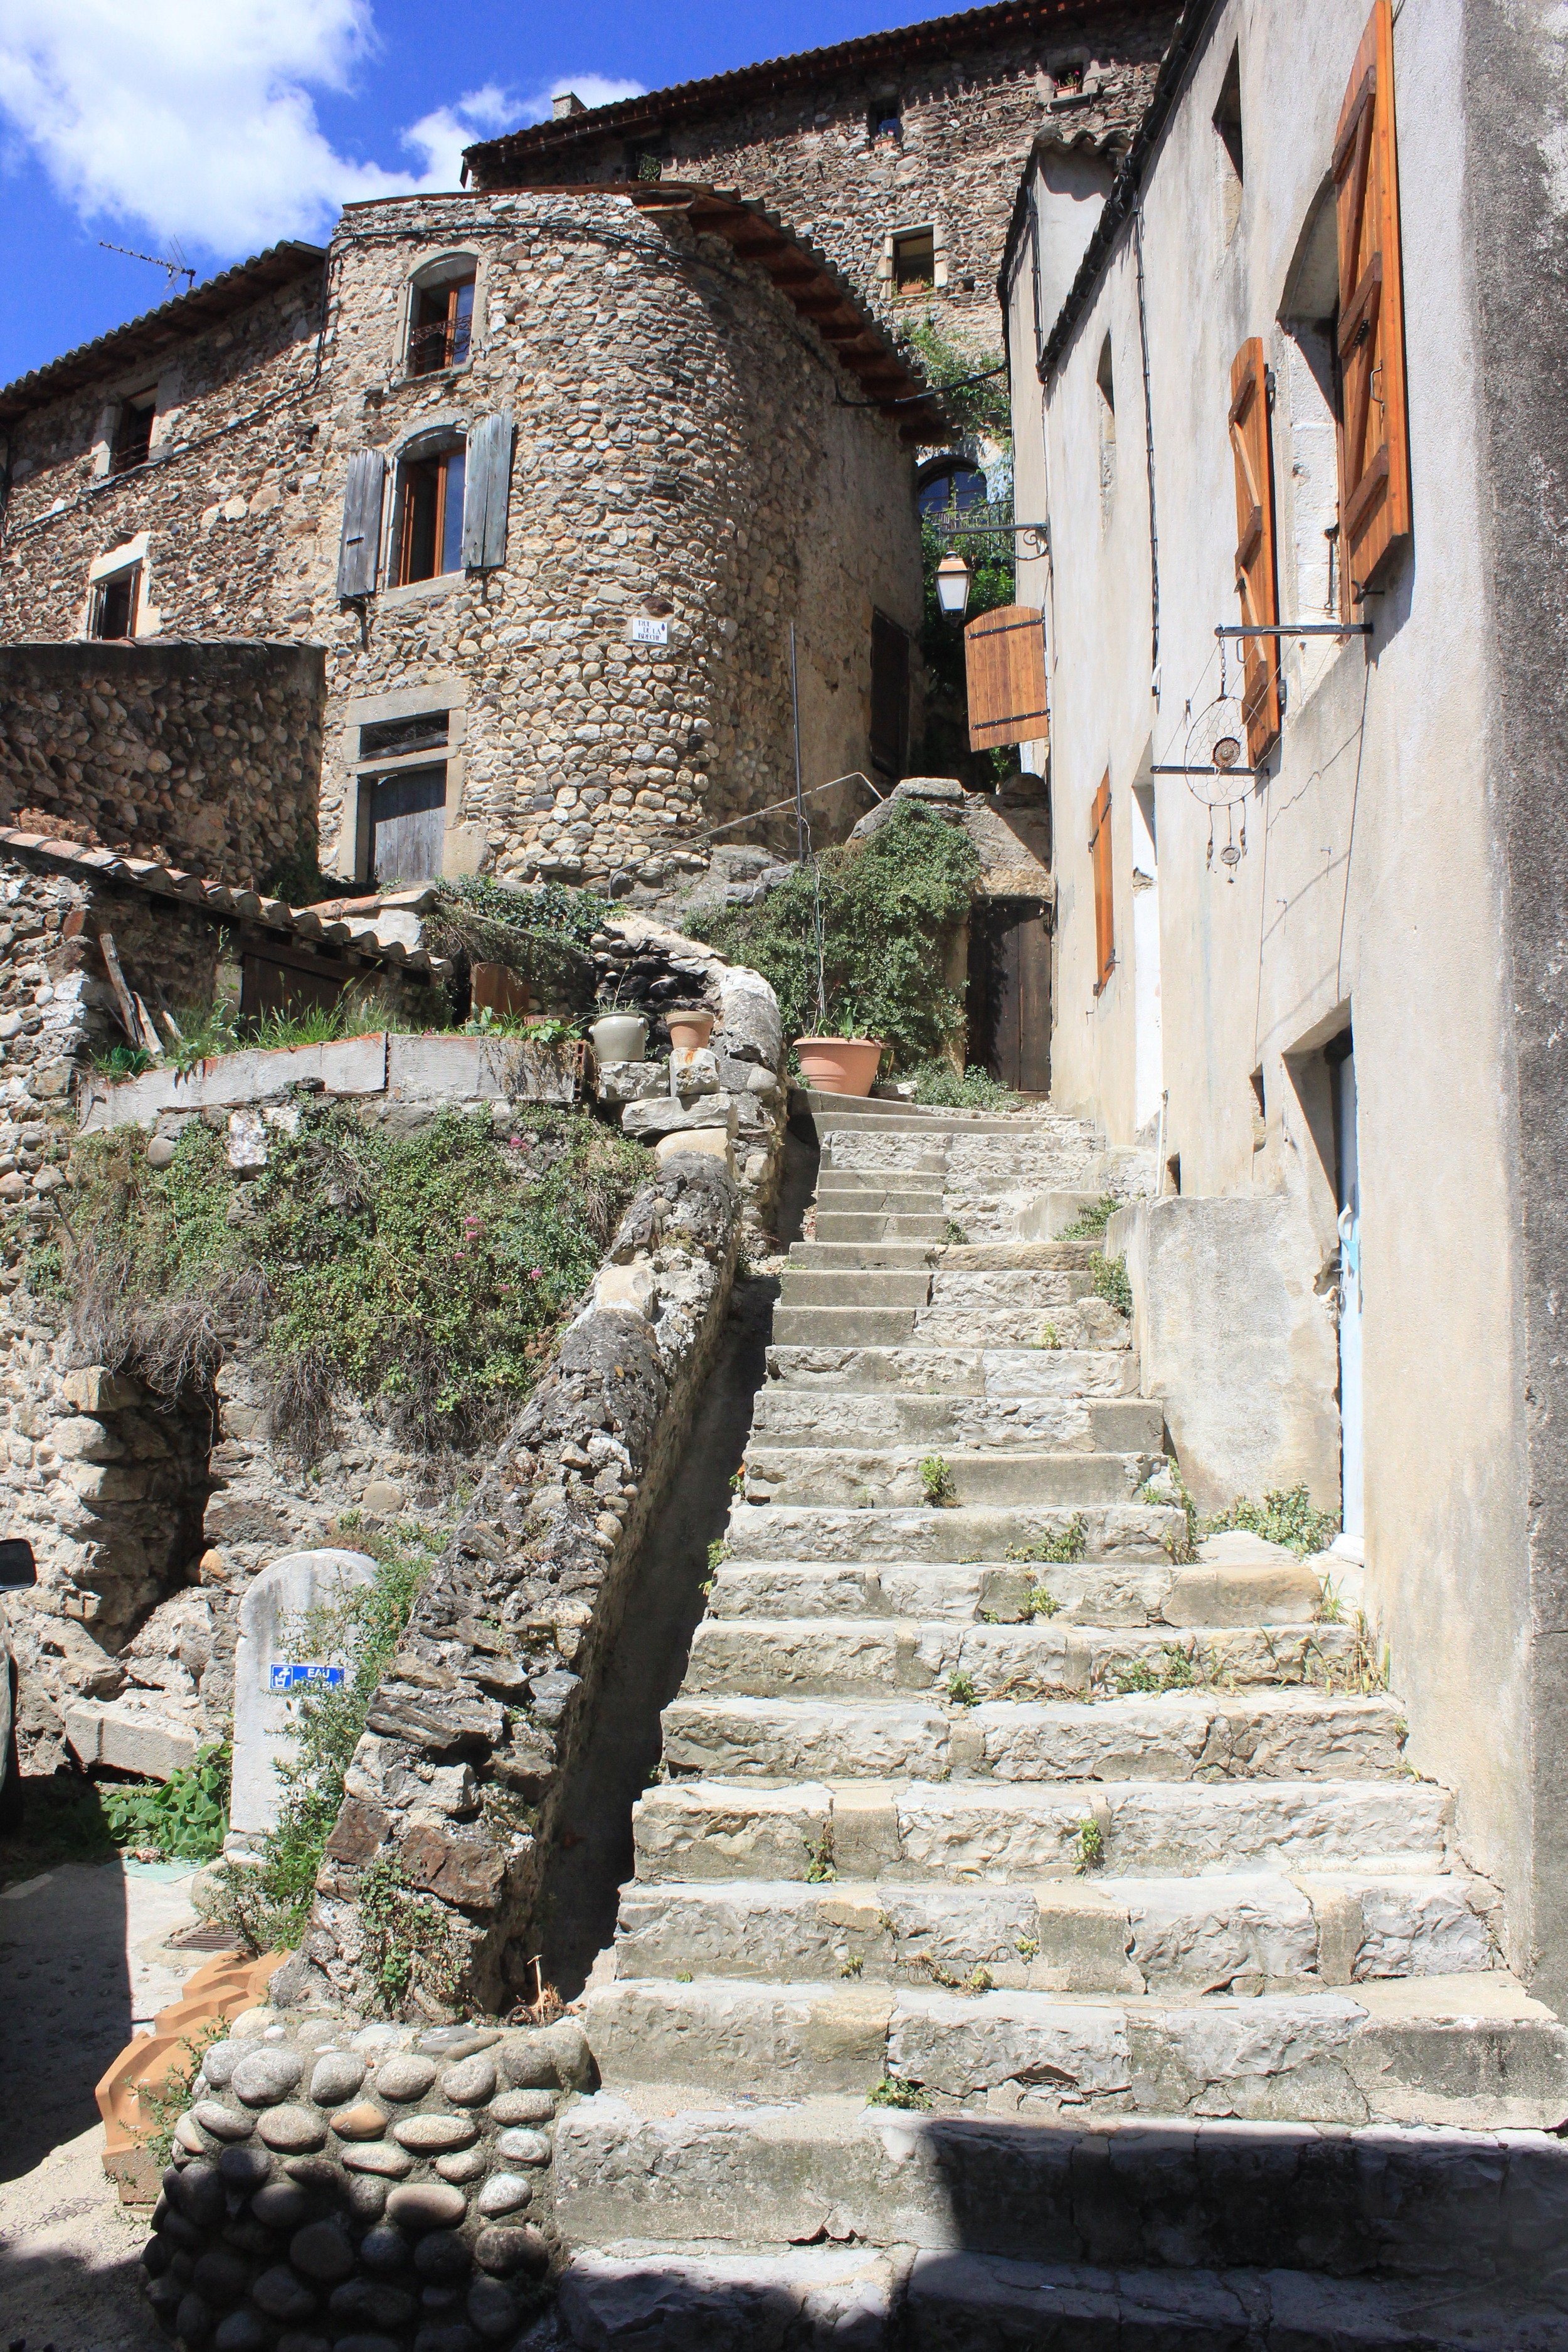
[{"x": 339, "y": 2188}]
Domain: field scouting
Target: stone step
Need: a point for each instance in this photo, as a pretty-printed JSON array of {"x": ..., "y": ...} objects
[
  {"x": 784, "y": 1417},
  {"x": 956, "y": 1372},
  {"x": 864, "y": 1229},
  {"x": 1173, "y": 1736},
  {"x": 1006, "y": 1832},
  {"x": 843, "y": 1188},
  {"x": 844, "y": 1327},
  {"x": 1330, "y": 2057},
  {"x": 1241, "y": 1933},
  {"x": 1463, "y": 2208},
  {"x": 728, "y": 2297},
  {"x": 1090, "y": 1323},
  {"x": 969, "y": 1532},
  {"x": 1195, "y": 1606},
  {"x": 827, "y": 1474},
  {"x": 890, "y": 1257},
  {"x": 857, "y": 1286}
]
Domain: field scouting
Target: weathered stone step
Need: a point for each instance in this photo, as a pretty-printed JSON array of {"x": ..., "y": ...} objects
[
  {"x": 1226, "y": 1933},
  {"x": 857, "y": 1229},
  {"x": 969, "y": 1532},
  {"x": 1085, "y": 1324},
  {"x": 843, "y": 1188},
  {"x": 854, "y": 1285},
  {"x": 844, "y": 1327},
  {"x": 788, "y": 1417},
  {"x": 956, "y": 1372},
  {"x": 1193, "y": 1605},
  {"x": 733, "y": 2298},
  {"x": 1173, "y": 1737},
  {"x": 865, "y": 1659},
  {"x": 828, "y": 1475},
  {"x": 1463, "y": 2207},
  {"x": 848, "y": 1279},
  {"x": 1323, "y": 2057},
  {"x": 1008, "y": 1832}
]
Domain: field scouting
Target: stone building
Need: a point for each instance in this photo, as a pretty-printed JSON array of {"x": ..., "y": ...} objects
[
  {"x": 681, "y": 437},
  {"x": 896, "y": 152},
  {"x": 1310, "y": 886}
]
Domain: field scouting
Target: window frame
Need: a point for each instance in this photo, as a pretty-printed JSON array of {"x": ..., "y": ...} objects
[
  {"x": 440, "y": 273},
  {"x": 132, "y": 404},
  {"x": 411, "y": 464},
  {"x": 910, "y": 288},
  {"x": 127, "y": 575}
]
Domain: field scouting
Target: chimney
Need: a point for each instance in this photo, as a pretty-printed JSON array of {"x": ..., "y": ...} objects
[{"x": 565, "y": 102}]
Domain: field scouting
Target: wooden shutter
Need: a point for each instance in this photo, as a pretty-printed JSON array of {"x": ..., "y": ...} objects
[
  {"x": 889, "y": 695},
  {"x": 1100, "y": 852},
  {"x": 486, "y": 487},
  {"x": 1004, "y": 664},
  {"x": 1257, "y": 584},
  {"x": 1375, "y": 450},
  {"x": 359, "y": 555}
]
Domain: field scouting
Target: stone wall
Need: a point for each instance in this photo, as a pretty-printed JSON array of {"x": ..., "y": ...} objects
[
  {"x": 807, "y": 148},
  {"x": 473, "y": 1735},
  {"x": 207, "y": 756}
]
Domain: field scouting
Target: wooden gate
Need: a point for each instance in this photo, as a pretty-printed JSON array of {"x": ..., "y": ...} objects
[
  {"x": 1010, "y": 991},
  {"x": 408, "y": 825}
]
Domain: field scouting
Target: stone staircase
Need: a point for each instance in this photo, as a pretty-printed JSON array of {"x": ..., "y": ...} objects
[{"x": 1036, "y": 1938}]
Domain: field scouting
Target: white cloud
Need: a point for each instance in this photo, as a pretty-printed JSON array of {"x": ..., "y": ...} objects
[{"x": 192, "y": 120}]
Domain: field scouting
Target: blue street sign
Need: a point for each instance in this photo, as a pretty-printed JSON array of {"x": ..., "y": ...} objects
[{"x": 301, "y": 1672}]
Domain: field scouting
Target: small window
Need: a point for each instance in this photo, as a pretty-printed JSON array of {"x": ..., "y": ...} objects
[
  {"x": 132, "y": 442},
  {"x": 1069, "y": 79},
  {"x": 430, "y": 539},
  {"x": 442, "y": 326},
  {"x": 914, "y": 261},
  {"x": 387, "y": 738},
  {"x": 113, "y": 611},
  {"x": 1105, "y": 383},
  {"x": 1228, "y": 149},
  {"x": 885, "y": 119},
  {"x": 953, "y": 489}
]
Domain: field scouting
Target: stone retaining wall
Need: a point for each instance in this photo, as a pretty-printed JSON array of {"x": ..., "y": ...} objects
[
  {"x": 471, "y": 1739},
  {"x": 367, "y": 2185},
  {"x": 205, "y": 754}
]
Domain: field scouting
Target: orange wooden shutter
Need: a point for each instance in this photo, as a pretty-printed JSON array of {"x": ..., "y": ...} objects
[
  {"x": 1005, "y": 661},
  {"x": 1375, "y": 452},
  {"x": 1099, "y": 851},
  {"x": 1256, "y": 580}
]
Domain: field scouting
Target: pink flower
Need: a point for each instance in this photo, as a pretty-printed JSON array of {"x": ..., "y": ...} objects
[{"x": 536, "y": 1273}]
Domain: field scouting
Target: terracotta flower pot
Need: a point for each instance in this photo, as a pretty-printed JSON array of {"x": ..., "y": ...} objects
[
  {"x": 620, "y": 1037},
  {"x": 839, "y": 1065},
  {"x": 690, "y": 1031}
]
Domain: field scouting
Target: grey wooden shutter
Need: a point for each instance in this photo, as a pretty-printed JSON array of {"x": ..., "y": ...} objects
[
  {"x": 486, "y": 482},
  {"x": 359, "y": 556}
]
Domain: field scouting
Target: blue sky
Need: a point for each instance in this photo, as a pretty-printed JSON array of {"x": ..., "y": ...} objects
[{"x": 230, "y": 123}]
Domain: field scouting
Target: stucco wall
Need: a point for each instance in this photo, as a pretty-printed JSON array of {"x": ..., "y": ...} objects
[{"x": 1372, "y": 888}]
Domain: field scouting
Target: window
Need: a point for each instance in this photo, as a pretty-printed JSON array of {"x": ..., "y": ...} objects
[
  {"x": 914, "y": 261},
  {"x": 133, "y": 440},
  {"x": 430, "y": 533},
  {"x": 113, "y": 612},
  {"x": 1068, "y": 79},
  {"x": 885, "y": 119},
  {"x": 1308, "y": 414},
  {"x": 1105, "y": 382},
  {"x": 1100, "y": 852},
  {"x": 951, "y": 488},
  {"x": 442, "y": 325},
  {"x": 889, "y": 695},
  {"x": 388, "y": 739},
  {"x": 1228, "y": 147}
]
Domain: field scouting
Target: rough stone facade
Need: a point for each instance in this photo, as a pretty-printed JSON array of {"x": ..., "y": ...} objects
[
  {"x": 687, "y": 453},
  {"x": 207, "y": 755},
  {"x": 476, "y": 1726},
  {"x": 803, "y": 134}
]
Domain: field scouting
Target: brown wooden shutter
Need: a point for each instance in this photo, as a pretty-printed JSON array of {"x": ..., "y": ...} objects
[
  {"x": 1005, "y": 663},
  {"x": 1375, "y": 450},
  {"x": 487, "y": 483},
  {"x": 359, "y": 555},
  {"x": 1257, "y": 584},
  {"x": 1104, "y": 912}
]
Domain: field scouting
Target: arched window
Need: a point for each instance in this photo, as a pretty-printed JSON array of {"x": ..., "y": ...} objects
[
  {"x": 950, "y": 483},
  {"x": 441, "y": 314}
]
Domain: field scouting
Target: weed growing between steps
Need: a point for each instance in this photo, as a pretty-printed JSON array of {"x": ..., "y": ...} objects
[
  {"x": 1090, "y": 1847},
  {"x": 266, "y": 1902},
  {"x": 937, "y": 1482},
  {"x": 409, "y": 1945},
  {"x": 1091, "y": 1221},
  {"x": 425, "y": 1273},
  {"x": 1111, "y": 1281},
  {"x": 895, "y": 2090},
  {"x": 1286, "y": 1516},
  {"x": 892, "y": 906},
  {"x": 939, "y": 1086},
  {"x": 1068, "y": 1543}
]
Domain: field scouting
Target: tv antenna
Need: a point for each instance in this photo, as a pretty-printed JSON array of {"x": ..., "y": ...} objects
[{"x": 173, "y": 261}]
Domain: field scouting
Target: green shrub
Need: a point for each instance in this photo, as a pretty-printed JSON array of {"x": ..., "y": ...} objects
[
  {"x": 1092, "y": 1221},
  {"x": 940, "y": 1085},
  {"x": 937, "y": 1481},
  {"x": 1066, "y": 1544},
  {"x": 1111, "y": 1281},
  {"x": 1286, "y": 1516},
  {"x": 895, "y": 2090},
  {"x": 890, "y": 907},
  {"x": 424, "y": 1273},
  {"x": 185, "y": 1820}
]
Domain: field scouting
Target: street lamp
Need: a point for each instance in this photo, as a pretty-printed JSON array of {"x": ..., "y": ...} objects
[{"x": 952, "y": 579}]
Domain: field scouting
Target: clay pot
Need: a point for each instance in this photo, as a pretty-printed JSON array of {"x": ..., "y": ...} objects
[
  {"x": 689, "y": 1031},
  {"x": 620, "y": 1037},
  {"x": 839, "y": 1065}
]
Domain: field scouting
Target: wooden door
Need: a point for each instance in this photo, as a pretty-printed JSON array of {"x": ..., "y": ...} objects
[
  {"x": 408, "y": 825},
  {"x": 1010, "y": 993}
]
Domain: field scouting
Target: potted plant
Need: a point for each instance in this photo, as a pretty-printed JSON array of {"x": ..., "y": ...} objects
[
  {"x": 689, "y": 1026},
  {"x": 841, "y": 1063},
  {"x": 618, "y": 1036}
]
